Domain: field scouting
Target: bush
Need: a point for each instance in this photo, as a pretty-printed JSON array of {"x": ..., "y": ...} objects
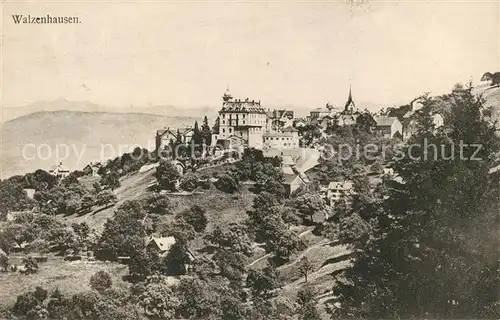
[
  {"x": 189, "y": 182},
  {"x": 101, "y": 281},
  {"x": 196, "y": 217},
  {"x": 167, "y": 175},
  {"x": 227, "y": 184}
]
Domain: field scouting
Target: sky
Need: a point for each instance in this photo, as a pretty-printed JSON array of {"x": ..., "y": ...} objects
[{"x": 282, "y": 53}]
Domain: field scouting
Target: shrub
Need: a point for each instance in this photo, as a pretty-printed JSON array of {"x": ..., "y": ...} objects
[
  {"x": 167, "y": 175},
  {"x": 227, "y": 183},
  {"x": 101, "y": 281},
  {"x": 189, "y": 182}
]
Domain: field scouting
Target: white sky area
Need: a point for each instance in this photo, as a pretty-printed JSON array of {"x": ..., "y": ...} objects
[{"x": 295, "y": 53}]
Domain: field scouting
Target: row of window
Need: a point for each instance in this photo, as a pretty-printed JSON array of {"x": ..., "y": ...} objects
[
  {"x": 277, "y": 138},
  {"x": 250, "y": 115},
  {"x": 224, "y": 122}
]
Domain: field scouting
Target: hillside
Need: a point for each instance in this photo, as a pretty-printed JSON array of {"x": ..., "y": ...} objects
[{"x": 81, "y": 137}]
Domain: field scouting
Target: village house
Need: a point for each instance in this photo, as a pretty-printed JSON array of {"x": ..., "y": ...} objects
[
  {"x": 286, "y": 139},
  {"x": 166, "y": 135},
  {"x": 330, "y": 115},
  {"x": 437, "y": 120},
  {"x": 410, "y": 123},
  {"x": 389, "y": 127},
  {"x": 92, "y": 169},
  {"x": 293, "y": 178},
  {"x": 244, "y": 119},
  {"x": 318, "y": 113},
  {"x": 277, "y": 120},
  {"x": 338, "y": 190},
  {"x": 59, "y": 171},
  {"x": 300, "y": 123},
  {"x": 160, "y": 245}
]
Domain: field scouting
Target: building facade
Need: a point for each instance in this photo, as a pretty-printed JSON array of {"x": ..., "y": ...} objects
[
  {"x": 164, "y": 136},
  {"x": 288, "y": 138},
  {"x": 338, "y": 190},
  {"x": 389, "y": 127},
  {"x": 244, "y": 119}
]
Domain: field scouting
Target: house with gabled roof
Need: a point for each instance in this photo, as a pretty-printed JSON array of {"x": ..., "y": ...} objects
[
  {"x": 160, "y": 245},
  {"x": 389, "y": 127},
  {"x": 59, "y": 170},
  {"x": 165, "y": 135},
  {"x": 279, "y": 119}
]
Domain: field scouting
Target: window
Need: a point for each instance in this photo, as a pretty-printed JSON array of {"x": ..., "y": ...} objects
[
  {"x": 230, "y": 130},
  {"x": 223, "y": 121},
  {"x": 243, "y": 121},
  {"x": 223, "y": 130}
]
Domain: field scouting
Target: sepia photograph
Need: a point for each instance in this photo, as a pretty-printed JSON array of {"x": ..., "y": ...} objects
[{"x": 249, "y": 160}]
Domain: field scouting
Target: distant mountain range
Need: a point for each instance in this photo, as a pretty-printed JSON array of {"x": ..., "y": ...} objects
[
  {"x": 33, "y": 141},
  {"x": 10, "y": 113}
]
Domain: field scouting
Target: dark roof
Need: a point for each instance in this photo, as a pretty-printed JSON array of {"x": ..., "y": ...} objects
[{"x": 349, "y": 100}]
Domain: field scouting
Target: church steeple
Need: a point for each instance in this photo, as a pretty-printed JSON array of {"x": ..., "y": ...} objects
[{"x": 349, "y": 105}]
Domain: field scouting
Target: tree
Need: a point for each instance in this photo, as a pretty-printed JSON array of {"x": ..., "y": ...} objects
[
  {"x": 179, "y": 229},
  {"x": 14, "y": 197},
  {"x": 189, "y": 182},
  {"x": 307, "y": 305},
  {"x": 274, "y": 187},
  {"x": 305, "y": 267},
  {"x": 87, "y": 203},
  {"x": 196, "y": 216},
  {"x": 111, "y": 180},
  {"x": 206, "y": 132},
  {"x": 105, "y": 197},
  {"x": 30, "y": 265},
  {"x": 197, "y": 138},
  {"x": 167, "y": 175},
  {"x": 15, "y": 234},
  {"x": 4, "y": 262},
  {"x": 227, "y": 184},
  {"x": 159, "y": 204},
  {"x": 127, "y": 223},
  {"x": 158, "y": 300},
  {"x": 25, "y": 303},
  {"x": 310, "y": 204},
  {"x": 82, "y": 232},
  {"x": 234, "y": 237},
  {"x": 177, "y": 258},
  {"x": 427, "y": 256},
  {"x": 96, "y": 188},
  {"x": 232, "y": 265},
  {"x": 263, "y": 282},
  {"x": 143, "y": 263},
  {"x": 61, "y": 240},
  {"x": 101, "y": 281}
]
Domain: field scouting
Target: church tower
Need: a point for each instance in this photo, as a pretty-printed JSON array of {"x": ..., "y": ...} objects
[
  {"x": 349, "y": 105},
  {"x": 227, "y": 96}
]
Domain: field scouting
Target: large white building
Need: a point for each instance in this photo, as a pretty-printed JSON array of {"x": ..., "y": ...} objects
[
  {"x": 242, "y": 122},
  {"x": 288, "y": 138}
]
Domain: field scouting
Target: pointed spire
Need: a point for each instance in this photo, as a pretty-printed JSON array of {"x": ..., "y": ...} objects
[{"x": 350, "y": 101}]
